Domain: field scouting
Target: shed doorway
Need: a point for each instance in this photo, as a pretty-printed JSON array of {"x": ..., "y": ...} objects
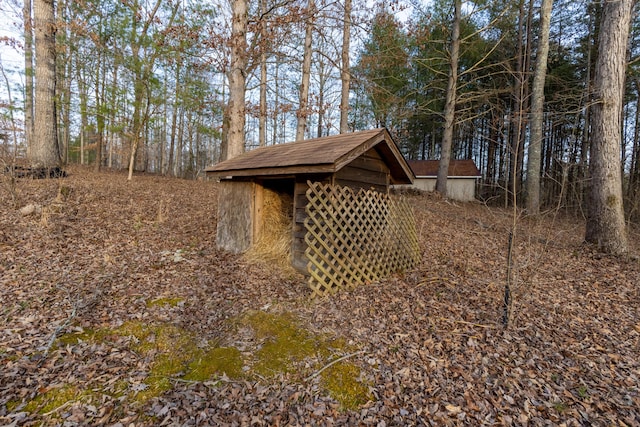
[{"x": 273, "y": 221}]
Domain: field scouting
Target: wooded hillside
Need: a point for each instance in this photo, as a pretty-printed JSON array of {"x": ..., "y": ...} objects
[
  {"x": 117, "y": 308},
  {"x": 160, "y": 86}
]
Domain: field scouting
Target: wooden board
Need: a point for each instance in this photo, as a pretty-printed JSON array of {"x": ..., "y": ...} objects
[{"x": 236, "y": 204}]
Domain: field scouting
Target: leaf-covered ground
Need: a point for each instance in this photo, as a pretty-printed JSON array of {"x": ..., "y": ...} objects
[{"x": 116, "y": 308}]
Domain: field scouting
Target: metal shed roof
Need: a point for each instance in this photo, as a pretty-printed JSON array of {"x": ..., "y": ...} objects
[{"x": 319, "y": 155}]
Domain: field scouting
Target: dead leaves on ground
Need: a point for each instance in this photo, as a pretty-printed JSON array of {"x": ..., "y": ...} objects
[{"x": 430, "y": 345}]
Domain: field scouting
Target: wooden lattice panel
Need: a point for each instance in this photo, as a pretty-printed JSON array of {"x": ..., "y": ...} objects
[{"x": 356, "y": 237}]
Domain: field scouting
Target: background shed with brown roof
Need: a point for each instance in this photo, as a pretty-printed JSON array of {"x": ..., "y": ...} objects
[
  {"x": 461, "y": 180},
  {"x": 360, "y": 160}
]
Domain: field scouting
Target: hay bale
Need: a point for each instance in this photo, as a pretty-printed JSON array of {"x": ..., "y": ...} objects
[{"x": 273, "y": 246}]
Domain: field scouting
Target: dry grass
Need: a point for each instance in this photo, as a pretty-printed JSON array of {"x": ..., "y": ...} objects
[{"x": 273, "y": 246}]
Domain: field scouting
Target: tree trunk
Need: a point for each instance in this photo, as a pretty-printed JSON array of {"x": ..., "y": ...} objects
[
  {"x": 45, "y": 151},
  {"x": 143, "y": 62},
  {"x": 174, "y": 118},
  {"x": 276, "y": 100},
  {"x": 345, "y": 73},
  {"x": 303, "y": 110},
  {"x": 237, "y": 76},
  {"x": 28, "y": 71},
  {"x": 517, "y": 128},
  {"x": 321, "y": 85},
  {"x": 605, "y": 221},
  {"x": 138, "y": 123},
  {"x": 262, "y": 126},
  {"x": 114, "y": 102},
  {"x": 100, "y": 110},
  {"x": 595, "y": 19},
  {"x": 450, "y": 102},
  {"x": 634, "y": 168},
  {"x": 177, "y": 168},
  {"x": 64, "y": 52},
  {"x": 83, "y": 95},
  {"x": 537, "y": 111}
]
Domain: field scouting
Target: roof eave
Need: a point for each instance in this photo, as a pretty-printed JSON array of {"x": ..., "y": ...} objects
[{"x": 289, "y": 170}]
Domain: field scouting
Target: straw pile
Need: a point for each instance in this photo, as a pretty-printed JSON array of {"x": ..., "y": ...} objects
[{"x": 273, "y": 246}]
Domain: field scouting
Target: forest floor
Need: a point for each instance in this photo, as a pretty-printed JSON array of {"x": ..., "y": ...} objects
[{"x": 117, "y": 309}]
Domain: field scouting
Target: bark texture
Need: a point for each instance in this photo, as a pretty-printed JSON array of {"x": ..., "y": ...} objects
[
  {"x": 345, "y": 74},
  {"x": 44, "y": 151},
  {"x": 450, "y": 103},
  {"x": 537, "y": 111},
  {"x": 605, "y": 222},
  {"x": 303, "y": 110},
  {"x": 237, "y": 77},
  {"x": 28, "y": 71}
]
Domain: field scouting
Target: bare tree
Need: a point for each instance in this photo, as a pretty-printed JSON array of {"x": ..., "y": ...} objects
[
  {"x": 450, "y": 103},
  {"x": 345, "y": 72},
  {"x": 28, "y": 71},
  {"x": 237, "y": 77},
  {"x": 605, "y": 221},
  {"x": 44, "y": 151},
  {"x": 537, "y": 111},
  {"x": 262, "y": 127},
  {"x": 303, "y": 110}
]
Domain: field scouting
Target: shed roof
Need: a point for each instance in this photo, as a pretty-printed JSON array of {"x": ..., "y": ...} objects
[
  {"x": 457, "y": 168},
  {"x": 319, "y": 155}
]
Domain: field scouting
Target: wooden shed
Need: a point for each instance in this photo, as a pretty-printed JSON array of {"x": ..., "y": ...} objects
[
  {"x": 359, "y": 160},
  {"x": 461, "y": 180}
]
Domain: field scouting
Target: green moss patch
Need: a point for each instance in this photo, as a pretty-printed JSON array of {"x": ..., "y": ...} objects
[
  {"x": 165, "y": 302},
  {"x": 55, "y": 398},
  {"x": 87, "y": 334},
  {"x": 173, "y": 351},
  {"x": 220, "y": 360},
  {"x": 176, "y": 355},
  {"x": 284, "y": 344},
  {"x": 343, "y": 383}
]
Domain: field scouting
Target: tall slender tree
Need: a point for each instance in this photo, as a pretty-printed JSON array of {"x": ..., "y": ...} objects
[
  {"x": 237, "y": 77},
  {"x": 45, "y": 151},
  {"x": 142, "y": 62},
  {"x": 28, "y": 71},
  {"x": 605, "y": 221},
  {"x": 537, "y": 111},
  {"x": 262, "y": 126},
  {"x": 345, "y": 71},
  {"x": 303, "y": 110},
  {"x": 450, "y": 103}
]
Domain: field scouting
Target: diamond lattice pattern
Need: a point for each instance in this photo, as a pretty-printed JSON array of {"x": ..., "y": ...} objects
[{"x": 356, "y": 237}]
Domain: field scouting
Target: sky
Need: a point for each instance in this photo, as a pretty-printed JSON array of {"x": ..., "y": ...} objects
[{"x": 11, "y": 59}]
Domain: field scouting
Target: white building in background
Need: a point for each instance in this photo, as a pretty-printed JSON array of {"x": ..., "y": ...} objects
[{"x": 461, "y": 181}]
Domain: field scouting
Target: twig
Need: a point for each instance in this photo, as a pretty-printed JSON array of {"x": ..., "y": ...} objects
[
  {"x": 508, "y": 300},
  {"x": 330, "y": 364},
  {"x": 64, "y": 405},
  {"x": 58, "y": 329},
  {"x": 428, "y": 356},
  {"x": 480, "y": 325}
]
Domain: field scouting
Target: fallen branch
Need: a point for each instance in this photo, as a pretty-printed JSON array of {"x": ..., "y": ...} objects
[
  {"x": 58, "y": 330},
  {"x": 464, "y": 322},
  {"x": 429, "y": 357},
  {"x": 53, "y": 411},
  {"x": 330, "y": 364}
]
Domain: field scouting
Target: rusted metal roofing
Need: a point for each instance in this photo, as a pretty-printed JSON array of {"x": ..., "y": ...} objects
[
  {"x": 457, "y": 168},
  {"x": 319, "y": 155}
]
